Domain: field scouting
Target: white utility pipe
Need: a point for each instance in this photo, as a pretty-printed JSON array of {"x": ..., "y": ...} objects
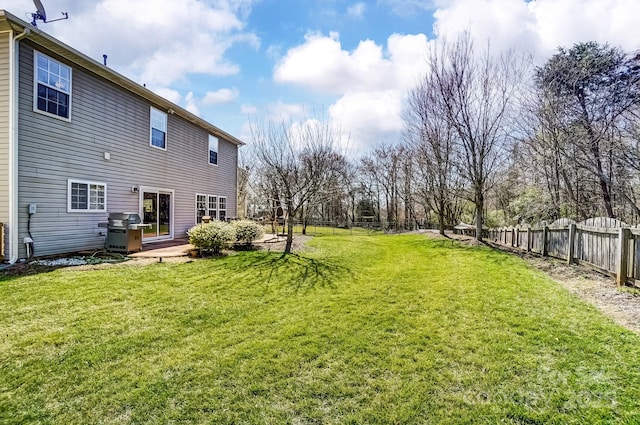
[{"x": 13, "y": 144}]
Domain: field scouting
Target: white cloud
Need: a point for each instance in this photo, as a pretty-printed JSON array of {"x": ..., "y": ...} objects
[
  {"x": 274, "y": 52},
  {"x": 220, "y": 96},
  {"x": 563, "y": 23},
  {"x": 321, "y": 64},
  {"x": 189, "y": 101},
  {"x": 281, "y": 111},
  {"x": 369, "y": 118},
  {"x": 370, "y": 81},
  {"x": 169, "y": 94},
  {"x": 357, "y": 10},
  {"x": 191, "y": 104},
  {"x": 540, "y": 26},
  {"x": 507, "y": 23},
  {"x": 157, "y": 42},
  {"x": 247, "y": 109}
]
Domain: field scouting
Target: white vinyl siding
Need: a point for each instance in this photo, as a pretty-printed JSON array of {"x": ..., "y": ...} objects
[
  {"x": 107, "y": 119},
  {"x": 84, "y": 196}
]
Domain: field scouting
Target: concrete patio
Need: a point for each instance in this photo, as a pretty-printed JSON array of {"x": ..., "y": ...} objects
[{"x": 181, "y": 247}]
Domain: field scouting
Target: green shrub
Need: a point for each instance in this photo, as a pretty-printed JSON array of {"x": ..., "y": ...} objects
[
  {"x": 212, "y": 236},
  {"x": 247, "y": 231}
]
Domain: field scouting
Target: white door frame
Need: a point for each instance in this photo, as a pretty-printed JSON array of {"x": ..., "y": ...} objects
[{"x": 154, "y": 189}]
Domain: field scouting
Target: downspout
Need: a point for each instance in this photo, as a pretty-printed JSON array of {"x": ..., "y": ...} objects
[{"x": 13, "y": 146}]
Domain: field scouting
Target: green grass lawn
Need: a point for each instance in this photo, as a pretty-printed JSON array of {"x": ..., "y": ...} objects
[
  {"x": 315, "y": 230},
  {"x": 357, "y": 330}
]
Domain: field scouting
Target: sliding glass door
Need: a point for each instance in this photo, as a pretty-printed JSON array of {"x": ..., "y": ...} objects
[{"x": 157, "y": 210}]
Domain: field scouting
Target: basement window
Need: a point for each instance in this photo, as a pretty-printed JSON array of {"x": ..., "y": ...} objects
[{"x": 84, "y": 196}]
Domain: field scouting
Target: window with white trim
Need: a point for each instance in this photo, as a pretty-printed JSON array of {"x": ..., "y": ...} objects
[
  {"x": 213, "y": 207},
  {"x": 213, "y": 150},
  {"x": 85, "y": 196},
  {"x": 222, "y": 208},
  {"x": 201, "y": 207},
  {"x": 158, "y": 132},
  {"x": 52, "y": 88}
]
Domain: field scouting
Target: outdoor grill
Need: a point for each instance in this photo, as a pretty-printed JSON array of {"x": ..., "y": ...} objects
[{"x": 124, "y": 232}]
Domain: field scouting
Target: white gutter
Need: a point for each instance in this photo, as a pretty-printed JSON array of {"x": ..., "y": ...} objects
[{"x": 13, "y": 145}]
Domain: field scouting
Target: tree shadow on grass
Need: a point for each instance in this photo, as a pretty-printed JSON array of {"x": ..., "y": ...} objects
[
  {"x": 489, "y": 251},
  {"x": 295, "y": 271}
]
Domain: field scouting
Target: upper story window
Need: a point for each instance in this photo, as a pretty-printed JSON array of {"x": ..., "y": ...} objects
[
  {"x": 213, "y": 150},
  {"x": 52, "y": 91},
  {"x": 84, "y": 196},
  {"x": 158, "y": 129}
]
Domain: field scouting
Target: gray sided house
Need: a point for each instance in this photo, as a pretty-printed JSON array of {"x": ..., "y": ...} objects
[{"x": 79, "y": 141}]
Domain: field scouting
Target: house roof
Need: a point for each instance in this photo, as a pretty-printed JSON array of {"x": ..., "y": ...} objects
[{"x": 12, "y": 23}]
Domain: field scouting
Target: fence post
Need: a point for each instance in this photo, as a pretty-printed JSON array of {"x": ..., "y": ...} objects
[
  {"x": 528, "y": 239},
  {"x": 571, "y": 249},
  {"x": 545, "y": 236},
  {"x": 623, "y": 253}
]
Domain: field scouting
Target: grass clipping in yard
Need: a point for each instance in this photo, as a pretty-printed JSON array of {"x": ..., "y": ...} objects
[{"x": 366, "y": 329}]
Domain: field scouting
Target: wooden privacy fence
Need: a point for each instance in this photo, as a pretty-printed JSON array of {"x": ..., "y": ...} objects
[{"x": 607, "y": 244}]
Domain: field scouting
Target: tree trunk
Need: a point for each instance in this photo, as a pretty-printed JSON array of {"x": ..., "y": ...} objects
[
  {"x": 303, "y": 218},
  {"x": 287, "y": 248},
  {"x": 604, "y": 186},
  {"x": 479, "y": 214},
  {"x": 441, "y": 218}
]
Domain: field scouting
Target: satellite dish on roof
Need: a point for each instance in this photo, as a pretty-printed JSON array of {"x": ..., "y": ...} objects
[{"x": 41, "y": 14}]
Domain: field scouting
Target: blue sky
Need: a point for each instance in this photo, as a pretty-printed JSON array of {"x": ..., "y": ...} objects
[{"x": 350, "y": 62}]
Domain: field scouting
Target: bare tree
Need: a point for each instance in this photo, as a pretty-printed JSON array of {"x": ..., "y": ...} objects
[
  {"x": 383, "y": 166},
  {"x": 476, "y": 93},
  {"x": 431, "y": 138},
  {"x": 295, "y": 161},
  {"x": 244, "y": 189},
  {"x": 330, "y": 202}
]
